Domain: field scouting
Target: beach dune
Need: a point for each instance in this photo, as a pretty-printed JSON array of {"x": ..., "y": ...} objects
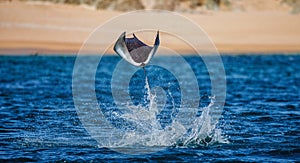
[{"x": 43, "y": 28}]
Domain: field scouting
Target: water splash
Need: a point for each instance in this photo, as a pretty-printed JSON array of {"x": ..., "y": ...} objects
[
  {"x": 149, "y": 132},
  {"x": 202, "y": 131}
]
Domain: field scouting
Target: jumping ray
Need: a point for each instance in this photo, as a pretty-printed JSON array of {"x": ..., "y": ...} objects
[{"x": 135, "y": 51}]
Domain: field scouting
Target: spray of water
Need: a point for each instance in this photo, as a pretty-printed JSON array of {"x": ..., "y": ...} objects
[{"x": 149, "y": 132}]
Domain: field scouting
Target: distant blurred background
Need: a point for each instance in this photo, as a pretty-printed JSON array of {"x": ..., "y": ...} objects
[
  {"x": 189, "y": 6},
  {"x": 61, "y": 26}
]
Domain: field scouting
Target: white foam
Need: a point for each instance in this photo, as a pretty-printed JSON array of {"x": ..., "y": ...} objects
[{"x": 149, "y": 132}]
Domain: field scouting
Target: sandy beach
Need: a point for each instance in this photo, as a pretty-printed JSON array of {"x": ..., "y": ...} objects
[{"x": 31, "y": 28}]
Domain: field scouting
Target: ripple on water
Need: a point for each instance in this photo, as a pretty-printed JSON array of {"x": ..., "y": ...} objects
[{"x": 38, "y": 120}]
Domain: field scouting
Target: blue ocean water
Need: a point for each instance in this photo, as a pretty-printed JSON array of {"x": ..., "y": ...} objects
[{"x": 260, "y": 122}]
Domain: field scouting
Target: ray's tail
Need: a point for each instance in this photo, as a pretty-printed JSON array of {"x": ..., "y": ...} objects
[{"x": 145, "y": 73}]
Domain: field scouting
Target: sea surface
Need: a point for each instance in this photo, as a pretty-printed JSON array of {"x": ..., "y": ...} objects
[{"x": 39, "y": 120}]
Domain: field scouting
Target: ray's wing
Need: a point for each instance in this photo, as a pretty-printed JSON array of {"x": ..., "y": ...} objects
[
  {"x": 154, "y": 49},
  {"x": 121, "y": 49}
]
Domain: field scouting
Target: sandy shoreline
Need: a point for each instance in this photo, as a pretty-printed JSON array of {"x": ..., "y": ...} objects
[{"x": 27, "y": 28}]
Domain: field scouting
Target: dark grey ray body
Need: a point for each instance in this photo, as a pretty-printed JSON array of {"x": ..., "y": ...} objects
[{"x": 137, "y": 49}]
